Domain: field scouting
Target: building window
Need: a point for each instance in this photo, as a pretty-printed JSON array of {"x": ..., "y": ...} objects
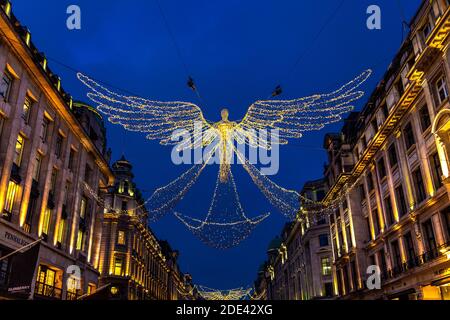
[
  {"x": 37, "y": 167},
  {"x": 44, "y": 129},
  {"x": 389, "y": 212},
  {"x": 441, "y": 91},
  {"x": 430, "y": 239},
  {"x": 121, "y": 238},
  {"x": 409, "y": 136},
  {"x": 87, "y": 174},
  {"x": 436, "y": 170},
  {"x": 2, "y": 123},
  {"x": 447, "y": 222},
  {"x": 369, "y": 233},
  {"x": 27, "y": 109},
  {"x": 80, "y": 240},
  {"x": 11, "y": 193},
  {"x": 118, "y": 266},
  {"x": 362, "y": 192},
  {"x": 409, "y": 246},
  {"x": 61, "y": 231},
  {"x": 124, "y": 206},
  {"x": 385, "y": 110},
  {"x": 401, "y": 201},
  {"x": 91, "y": 289},
  {"x": 53, "y": 179},
  {"x": 46, "y": 283},
  {"x": 425, "y": 121},
  {"x": 382, "y": 257},
  {"x": 426, "y": 31},
  {"x": 326, "y": 266},
  {"x": 396, "y": 255},
  {"x": 71, "y": 163},
  {"x": 328, "y": 289},
  {"x": 18, "y": 151},
  {"x": 46, "y": 219},
  {"x": 370, "y": 185},
  {"x": 323, "y": 240},
  {"x": 59, "y": 145},
  {"x": 381, "y": 168},
  {"x": 419, "y": 186},
  {"x": 376, "y": 221},
  {"x": 393, "y": 160},
  {"x": 5, "y": 85},
  {"x": 30, "y": 213},
  {"x": 83, "y": 206}
]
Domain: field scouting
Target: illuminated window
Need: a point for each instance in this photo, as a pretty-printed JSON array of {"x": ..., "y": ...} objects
[
  {"x": 121, "y": 238},
  {"x": 83, "y": 206},
  {"x": 18, "y": 151},
  {"x": 46, "y": 221},
  {"x": 61, "y": 231},
  {"x": 326, "y": 266},
  {"x": 27, "y": 109},
  {"x": 11, "y": 193},
  {"x": 80, "y": 240},
  {"x": 118, "y": 266},
  {"x": 5, "y": 85},
  {"x": 46, "y": 282},
  {"x": 91, "y": 288}
]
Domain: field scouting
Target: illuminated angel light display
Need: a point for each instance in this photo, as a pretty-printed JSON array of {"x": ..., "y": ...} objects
[
  {"x": 224, "y": 295},
  {"x": 226, "y": 224}
]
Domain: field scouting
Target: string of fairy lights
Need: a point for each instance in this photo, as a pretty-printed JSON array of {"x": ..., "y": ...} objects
[
  {"x": 226, "y": 224},
  {"x": 224, "y": 295}
]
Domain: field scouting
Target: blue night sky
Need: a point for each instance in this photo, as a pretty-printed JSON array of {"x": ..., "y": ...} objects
[{"x": 237, "y": 52}]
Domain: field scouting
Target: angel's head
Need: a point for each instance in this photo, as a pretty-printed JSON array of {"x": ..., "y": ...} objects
[{"x": 224, "y": 113}]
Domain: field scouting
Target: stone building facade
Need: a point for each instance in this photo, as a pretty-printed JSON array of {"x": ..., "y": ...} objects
[
  {"x": 388, "y": 180},
  {"x": 84, "y": 224},
  {"x": 395, "y": 155},
  {"x": 299, "y": 261},
  {"x": 50, "y": 149},
  {"x": 133, "y": 262}
]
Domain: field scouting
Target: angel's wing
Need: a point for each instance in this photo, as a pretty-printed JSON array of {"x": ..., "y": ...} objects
[
  {"x": 293, "y": 117},
  {"x": 161, "y": 121}
]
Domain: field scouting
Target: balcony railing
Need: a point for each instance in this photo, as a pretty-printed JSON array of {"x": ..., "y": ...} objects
[
  {"x": 415, "y": 262},
  {"x": 47, "y": 291}
]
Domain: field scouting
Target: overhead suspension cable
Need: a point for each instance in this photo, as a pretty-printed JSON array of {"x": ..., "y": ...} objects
[
  {"x": 278, "y": 90},
  {"x": 190, "y": 82}
]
